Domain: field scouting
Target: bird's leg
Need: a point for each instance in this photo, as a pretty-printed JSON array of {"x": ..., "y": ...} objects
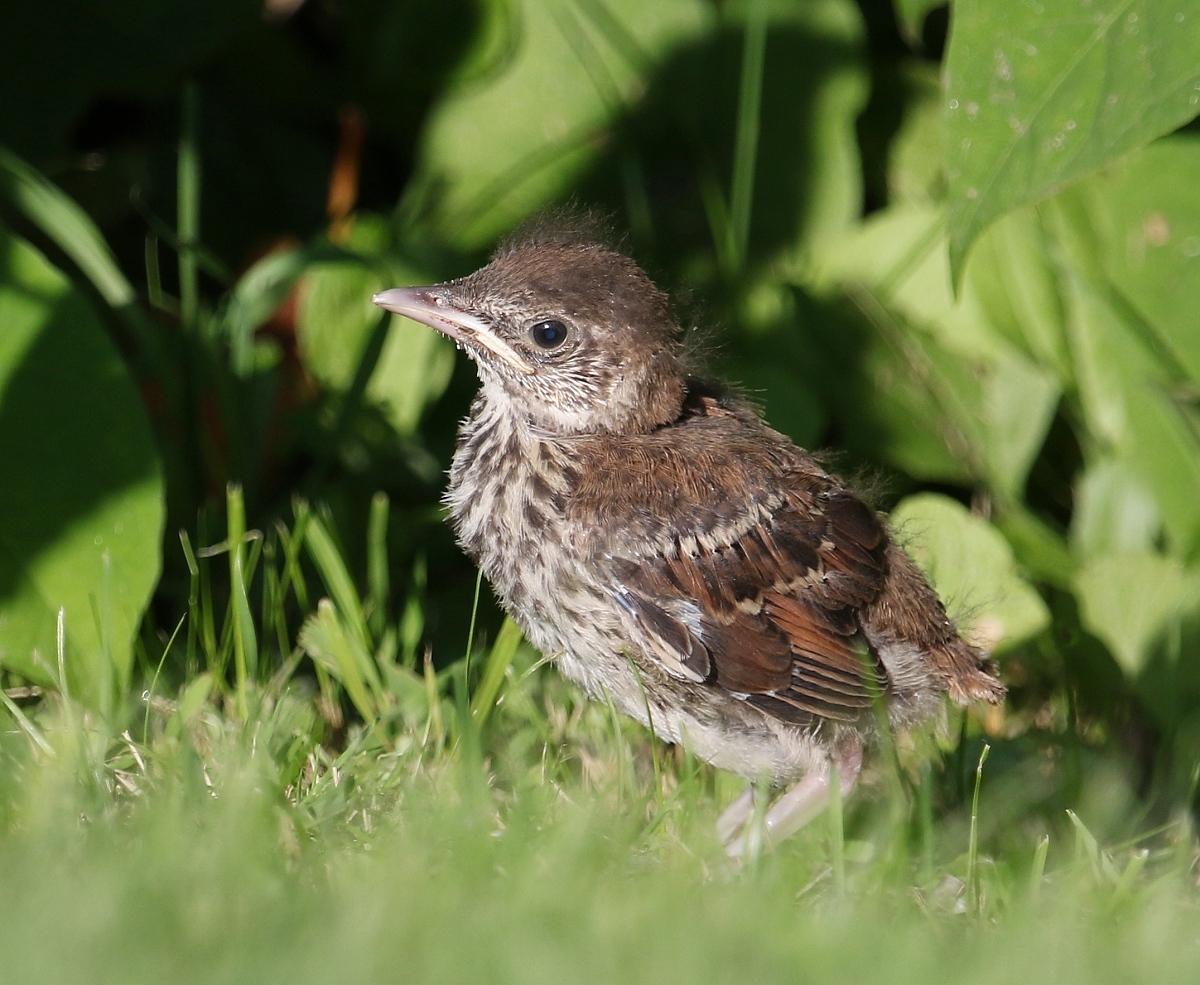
[
  {"x": 733, "y": 819},
  {"x": 804, "y": 801},
  {"x": 810, "y": 796}
]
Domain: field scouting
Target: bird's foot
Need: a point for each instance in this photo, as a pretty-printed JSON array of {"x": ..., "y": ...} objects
[{"x": 743, "y": 834}]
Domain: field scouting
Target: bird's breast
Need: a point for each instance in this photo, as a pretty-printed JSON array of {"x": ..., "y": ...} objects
[{"x": 507, "y": 498}]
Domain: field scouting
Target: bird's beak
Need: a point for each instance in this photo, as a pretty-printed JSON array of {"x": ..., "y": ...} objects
[{"x": 427, "y": 306}]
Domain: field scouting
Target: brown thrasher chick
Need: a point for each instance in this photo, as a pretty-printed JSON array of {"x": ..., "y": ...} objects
[{"x": 666, "y": 548}]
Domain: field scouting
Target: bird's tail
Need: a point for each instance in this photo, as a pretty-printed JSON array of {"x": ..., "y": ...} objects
[{"x": 908, "y": 614}]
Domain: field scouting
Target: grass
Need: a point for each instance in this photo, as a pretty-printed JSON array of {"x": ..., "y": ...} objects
[{"x": 336, "y": 811}]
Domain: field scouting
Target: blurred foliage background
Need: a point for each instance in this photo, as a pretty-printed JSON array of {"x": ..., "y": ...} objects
[{"x": 960, "y": 247}]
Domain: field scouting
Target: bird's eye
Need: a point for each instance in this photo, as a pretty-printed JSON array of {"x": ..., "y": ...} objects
[{"x": 548, "y": 334}]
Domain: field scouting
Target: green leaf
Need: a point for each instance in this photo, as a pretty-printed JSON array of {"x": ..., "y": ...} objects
[
  {"x": 1042, "y": 94},
  {"x": 1016, "y": 283},
  {"x": 973, "y": 569},
  {"x": 1129, "y": 600},
  {"x": 1040, "y": 549},
  {"x": 497, "y": 150},
  {"x": 81, "y": 492},
  {"x": 1146, "y": 214},
  {"x": 263, "y": 288},
  {"x": 1125, "y": 393},
  {"x": 335, "y": 320},
  {"x": 1115, "y": 512}
]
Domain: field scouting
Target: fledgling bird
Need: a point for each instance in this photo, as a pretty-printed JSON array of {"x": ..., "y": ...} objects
[{"x": 665, "y": 547}]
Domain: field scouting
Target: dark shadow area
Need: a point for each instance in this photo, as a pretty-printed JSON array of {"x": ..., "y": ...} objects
[{"x": 100, "y": 108}]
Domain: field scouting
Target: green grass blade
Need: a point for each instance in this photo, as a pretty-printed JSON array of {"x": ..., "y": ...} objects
[
  {"x": 58, "y": 216},
  {"x": 434, "y": 727},
  {"x": 26, "y": 726},
  {"x": 412, "y": 622},
  {"x": 471, "y": 628},
  {"x": 973, "y": 842},
  {"x": 271, "y": 612},
  {"x": 325, "y": 639},
  {"x": 378, "y": 585},
  {"x": 1087, "y": 847},
  {"x": 155, "y": 294},
  {"x": 193, "y": 598},
  {"x": 1037, "y": 872},
  {"x": 469, "y": 747},
  {"x": 621, "y": 752},
  {"x": 245, "y": 642},
  {"x": 1124, "y": 887},
  {"x": 154, "y": 680},
  {"x": 741, "y": 194},
  {"x": 188, "y": 206},
  {"x": 716, "y": 212},
  {"x": 333, "y": 571},
  {"x": 637, "y": 674},
  {"x": 60, "y": 639},
  {"x": 110, "y": 681},
  {"x": 495, "y": 667},
  {"x": 208, "y": 622},
  {"x": 293, "y": 543}
]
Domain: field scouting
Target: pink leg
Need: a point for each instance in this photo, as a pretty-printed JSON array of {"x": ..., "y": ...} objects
[
  {"x": 735, "y": 816},
  {"x": 799, "y": 805}
]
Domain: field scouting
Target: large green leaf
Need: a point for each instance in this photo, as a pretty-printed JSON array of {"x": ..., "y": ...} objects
[
  {"x": 972, "y": 567},
  {"x": 1146, "y": 214},
  {"x": 498, "y": 148},
  {"x": 1041, "y": 94},
  {"x": 81, "y": 497},
  {"x": 1129, "y": 600}
]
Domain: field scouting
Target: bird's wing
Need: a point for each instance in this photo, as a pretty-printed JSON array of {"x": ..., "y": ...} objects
[{"x": 768, "y": 612}]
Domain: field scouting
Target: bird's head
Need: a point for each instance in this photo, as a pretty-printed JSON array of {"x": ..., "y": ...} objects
[{"x": 575, "y": 336}]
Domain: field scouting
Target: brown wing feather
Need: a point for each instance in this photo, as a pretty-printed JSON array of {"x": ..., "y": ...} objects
[{"x": 773, "y": 610}]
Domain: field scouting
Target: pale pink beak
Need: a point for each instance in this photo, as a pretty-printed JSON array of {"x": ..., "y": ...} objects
[{"x": 427, "y": 306}]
